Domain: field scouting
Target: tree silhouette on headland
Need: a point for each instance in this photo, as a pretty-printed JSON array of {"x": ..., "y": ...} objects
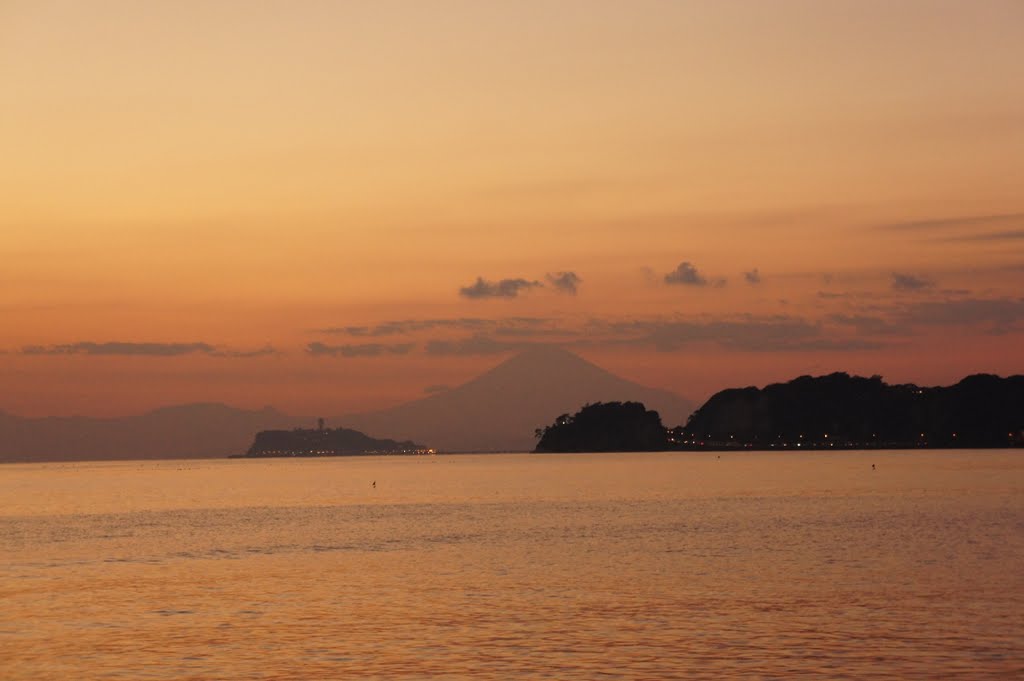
[
  {"x": 840, "y": 410},
  {"x": 824, "y": 412},
  {"x": 605, "y": 427}
]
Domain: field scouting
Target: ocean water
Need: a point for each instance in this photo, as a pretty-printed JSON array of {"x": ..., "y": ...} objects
[{"x": 628, "y": 566}]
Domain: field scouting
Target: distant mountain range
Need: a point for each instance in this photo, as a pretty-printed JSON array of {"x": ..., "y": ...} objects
[
  {"x": 182, "y": 432},
  {"x": 500, "y": 410},
  {"x": 497, "y": 411}
]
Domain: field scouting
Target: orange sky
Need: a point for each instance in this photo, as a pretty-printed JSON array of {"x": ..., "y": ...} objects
[{"x": 208, "y": 201}]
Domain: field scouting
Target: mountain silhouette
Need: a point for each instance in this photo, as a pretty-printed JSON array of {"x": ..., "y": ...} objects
[
  {"x": 497, "y": 411},
  {"x": 180, "y": 432},
  {"x": 501, "y": 409}
]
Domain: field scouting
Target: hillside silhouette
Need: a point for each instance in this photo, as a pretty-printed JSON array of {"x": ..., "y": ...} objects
[
  {"x": 180, "y": 432},
  {"x": 605, "y": 427},
  {"x": 824, "y": 412},
  {"x": 840, "y": 410},
  {"x": 499, "y": 410}
]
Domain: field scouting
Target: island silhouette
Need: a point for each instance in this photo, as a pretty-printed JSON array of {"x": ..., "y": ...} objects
[
  {"x": 837, "y": 411},
  {"x": 323, "y": 441}
]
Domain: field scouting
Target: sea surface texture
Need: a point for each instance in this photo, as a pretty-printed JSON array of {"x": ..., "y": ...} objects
[{"x": 628, "y": 566}]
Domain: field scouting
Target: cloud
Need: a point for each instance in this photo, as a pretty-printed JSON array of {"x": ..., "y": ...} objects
[
  {"x": 474, "y": 345},
  {"x": 411, "y": 326},
  {"x": 534, "y": 331},
  {"x": 875, "y": 325},
  {"x": 265, "y": 351},
  {"x": 686, "y": 274},
  {"x": 868, "y": 326},
  {"x": 130, "y": 349},
  {"x": 753, "y": 276},
  {"x": 745, "y": 334},
  {"x": 998, "y": 315},
  {"x": 908, "y": 282},
  {"x": 1006, "y": 235},
  {"x": 950, "y": 223},
  {"x": 121, "y": 348},
  {"x": 359, "y": 350},
  {"x": 564, "y": 282},
  {"x": 405, "y": 327},
  {"x": 733, "y": 335},
  {"x": 1001, "y": 314},
  {"x": 505, "y": 288}
]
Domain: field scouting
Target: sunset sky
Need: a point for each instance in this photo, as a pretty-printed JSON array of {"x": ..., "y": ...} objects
[{"x": 337, "y": 206}]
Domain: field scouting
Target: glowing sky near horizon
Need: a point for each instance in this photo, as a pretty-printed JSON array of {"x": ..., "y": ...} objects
[{"x": 332, "y": 206}]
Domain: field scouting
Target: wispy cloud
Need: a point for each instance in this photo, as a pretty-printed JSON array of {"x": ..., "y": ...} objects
[
  {"x": 1005, "y": 235},
  {"x": 736, "y": 333},
  {"x": 952, "y": 222},
  {"x": 868, "y": 325},
  {"x": 871, "y": 325},
  {"x": 1001, "y": 315},
  {"x": 503, "y": 288},
  {"x": 909, "y": 282},
  {"x": 474, "y": 345},
  {"x": 401, "y": 327},
  {"x": 121, "y": 348},
  {"x": 744, "y": 334},
  {"x": 564, "y": 282},
  {"x": 548, "y": 331},
  {"x": 265, "y": 351},
  {"x": 132, "y": 349},
  {"x": 992, "y": 315},
  {"x": 359, "y": 349}
]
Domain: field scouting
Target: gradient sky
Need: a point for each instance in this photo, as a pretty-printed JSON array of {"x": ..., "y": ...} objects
[{"x": 334, "y": 206}]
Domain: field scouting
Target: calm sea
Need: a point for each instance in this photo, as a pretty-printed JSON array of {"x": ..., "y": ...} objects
[{"x": 629, "y": 566}]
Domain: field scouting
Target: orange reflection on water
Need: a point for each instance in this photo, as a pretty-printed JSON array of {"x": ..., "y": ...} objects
[{"x": 570, "y": 567}]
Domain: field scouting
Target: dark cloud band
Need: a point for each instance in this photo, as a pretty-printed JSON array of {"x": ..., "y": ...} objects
[
  {"x": 124, "y": 348},
  {"x": 359, "y": 349},
  {"x": 121, "y": 348},
  {"x": 411, "y": 326},
  {"x": 503, "y": 288}
]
